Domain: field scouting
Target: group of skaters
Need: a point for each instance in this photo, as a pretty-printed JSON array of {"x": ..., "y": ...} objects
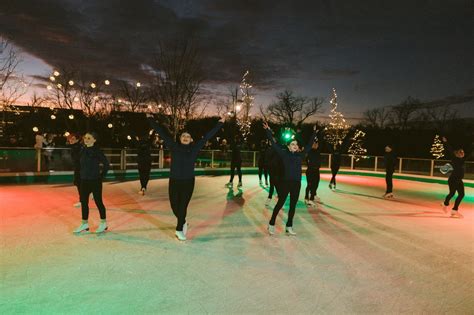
[{"x": 280, "y": 166}]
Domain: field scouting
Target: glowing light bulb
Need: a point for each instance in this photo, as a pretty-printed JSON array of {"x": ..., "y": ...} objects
[
  {"x": 66, "y": 134},
  {"x": 59, "y": 85},
  {"x": 71, "y": 116},
  {"x": 49, "y": 87},
  {"x": 56, "y": 73},
  {"x": 238, "y": 107},
  {"x": 52, "y": 78},
  {"x": 110, "y": 125},
  {"x": 93, "y": 85},
  {"x": 107, "y": 82},
  {"x": 76, "y": 99},
  {"x": 139, "y": 84},
  {"x": 53, "y": 117},
  {"x": 35, "y": 129},
  {"x": 129, "y": 137},
  {"x": 71, "y": 82}
]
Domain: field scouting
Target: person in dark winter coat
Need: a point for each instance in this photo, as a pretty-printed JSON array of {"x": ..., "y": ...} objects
[{"x": 91, "y": 181}]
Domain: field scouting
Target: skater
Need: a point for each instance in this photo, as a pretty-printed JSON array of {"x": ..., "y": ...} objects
[
  {"x": 144, "y": 162},
  {"x": 275, "y": 172},
  {"x": 91, "y": 181},
  {"x": 313, "y": 160},
  {"x": 390, "y": 160},
  {"x": 76, "y": 147},
  {"x": 455, "y": 179},
  {"x": 291, "y": 182},
  {"x": 262, "y": 163},
  {"x": 235, "y": 162},
  {"x": 336, "y": 156},
  {"x": 181, "y": 183}
]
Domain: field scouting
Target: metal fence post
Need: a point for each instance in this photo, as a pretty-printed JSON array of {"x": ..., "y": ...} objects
[
  {"x": 352, "y": 162},
  {"x": 212, "y": 159},
  {"x": 400, "y": 166},
  {"x": 376, "y": 163},
  {"x": 432, "y": 168},
  {"x": 254, "y": 157},
  {"x": 161, "y": 158},
  {"x": 122, "y": 159},
  {"x": 329, "y": 161},
  {"x": 38, "y": 160}
]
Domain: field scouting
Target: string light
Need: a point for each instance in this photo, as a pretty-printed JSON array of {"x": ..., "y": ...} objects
[
  {"x": 35, "y": 129},
  {"x": 53, "y": 117},
  {"x": 56, "y": 73},
  {"x": 66, "y": 134},
  {"x": 139, "y": 84},
  {"x": 110, "y": 125},
  {"x": 52, "y": 78},
  {"x": 107, "y": 82},
  {"x": 337, "y": 129},
  {"x": 49, "y": 87},
  {"x": 437, "y": 148},
  {"x": 71, "y": 82},
  {"x": 356, "y": 149},
  {"x": 129, "y": 137},
  {"x": 93, "y": 85},
  {"x": 71, "y": 116},
  {"x": 59, "y": 85}
]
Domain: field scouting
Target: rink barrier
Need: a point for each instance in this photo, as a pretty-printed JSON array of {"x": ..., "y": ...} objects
[{"x": 130, "y": 175}]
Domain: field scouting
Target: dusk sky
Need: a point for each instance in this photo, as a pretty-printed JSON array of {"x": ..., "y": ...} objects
[{"x": 375, "y": 53}]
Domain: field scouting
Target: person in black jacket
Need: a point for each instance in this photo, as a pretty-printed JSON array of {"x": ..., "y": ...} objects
[
  {"x": 390, "y": 160},
  {"x": 313, "y": 160},
  {"x": 336, "y": 151},
  {"x": 181, "y": 183},
  {"x": 144, "y": 162},
  {"x": 76, "y": 147},
  {"x": 262, "y": 163},
  {"x": 91, "y": 181},
  {"x": 291, "y": 182},
  {"x": 235, "y": 162},
  {"x": 275, "y": 172},
  {"x": 455, "y": 179}
]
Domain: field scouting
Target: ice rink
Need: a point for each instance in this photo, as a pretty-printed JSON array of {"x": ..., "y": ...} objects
[{"x": 354, "y": 253}]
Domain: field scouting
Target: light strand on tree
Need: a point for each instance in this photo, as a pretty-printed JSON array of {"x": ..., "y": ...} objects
[
  {"x": 337, "y": 128},
  {"x": 437, "y": 148},
  {"x": 356, "y": 149}
]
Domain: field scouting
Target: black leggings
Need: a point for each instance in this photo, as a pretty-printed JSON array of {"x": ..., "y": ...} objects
[
  {"x": 334, "y": 170},
  {"x": 312, "y": 177},
  {"x": 287, "y": 187},
  {"x": 274, "y": 180},
  {"x": 262, "y": 169},
  {"x": 455, "y": 184},
  {"x": 180, "y": 192},
  {"x": 77, "y": 182},
  {"x": 144, "y": 176},
  {"x": 93, "y": 186},
  {"x": 389, "y": 181},
  {"x": 235, "y": 165}
]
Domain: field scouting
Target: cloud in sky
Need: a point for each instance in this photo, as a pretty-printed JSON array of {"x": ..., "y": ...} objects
[{"x": 394, "y": 48}]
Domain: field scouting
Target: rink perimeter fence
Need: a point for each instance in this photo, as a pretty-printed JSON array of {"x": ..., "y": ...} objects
[{"x": 29, "y": 165}]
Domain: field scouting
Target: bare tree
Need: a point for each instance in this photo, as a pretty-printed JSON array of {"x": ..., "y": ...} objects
[
  {"x": 376, "y": 117},
  {"x": 177, "y": 80},
  {"x": 133, "y": 96},
  {"x": 401, "y": 115},
  {"x": 9, "y": 61},
  {"x": 440, "y": 115},
  {"x": 62, "y": 89},
  {"x": 12, "y": 85},
  {"x": 291, "y": 109}
]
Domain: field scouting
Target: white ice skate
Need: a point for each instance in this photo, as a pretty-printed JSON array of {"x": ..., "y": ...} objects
[
  {"x": 444, "y": 207},
  {"x": 102, "y": 227},
  {"x": 77, "y": 205},
  {"x": 142, "y": 191},
  {"x": 82, "y": 228},
  {"x": 271, "y": 229},
  {"x": 239, "y": 184},
  {"x": 180, "y": 235},
  {"x": 185, "y": 228},
  {"x": 388, "y": 196},
  {"x": 456, "y": 214},
  {"x": 229, "y": 185},
  {"x": 289, "y": 230},
  {"x": 311, "y": 203},
  {"x": 267, "y": 202}
]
